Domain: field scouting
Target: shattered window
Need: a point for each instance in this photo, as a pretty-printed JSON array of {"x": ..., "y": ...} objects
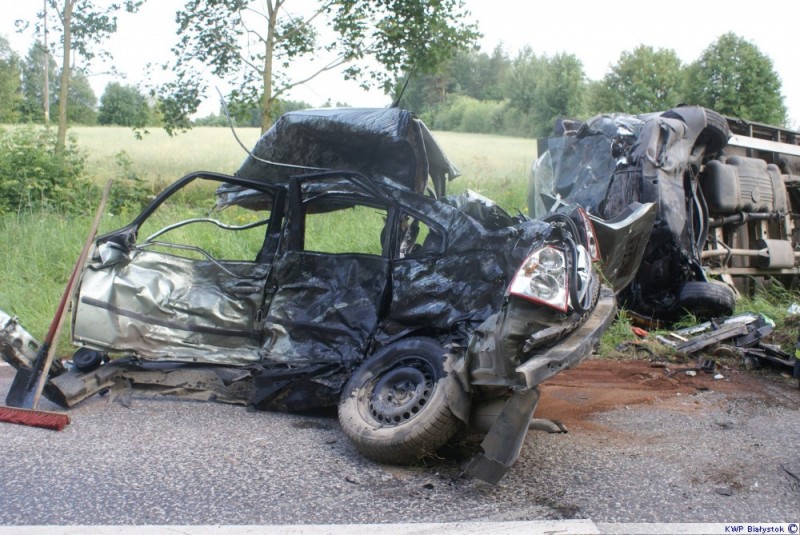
[
  {"x": 187, "y": 225},
  {"x": 417, "y": 238},
  {"x": 352, "y": 229}
]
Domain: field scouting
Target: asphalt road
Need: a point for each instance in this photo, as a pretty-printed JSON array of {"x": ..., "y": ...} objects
[{"x": 691, "y": 453}]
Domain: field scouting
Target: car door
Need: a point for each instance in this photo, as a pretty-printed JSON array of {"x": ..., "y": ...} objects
[
  {"x": 330, "y": 277},
  {"x": 191, "y": 287}
]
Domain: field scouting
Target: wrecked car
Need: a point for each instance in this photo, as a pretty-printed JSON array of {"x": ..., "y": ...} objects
[
  {"x": 332, "y": 270},
  {"x": 725, "y": 203}
]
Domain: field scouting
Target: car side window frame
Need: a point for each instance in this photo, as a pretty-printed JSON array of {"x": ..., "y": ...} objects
[
  {"x": 127, "y": 237},
  {"x": 433, "y": 226},
  {"x": 295, "y": 228}
]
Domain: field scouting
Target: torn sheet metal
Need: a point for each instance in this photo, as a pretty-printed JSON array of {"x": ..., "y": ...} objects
[
  {"x": 611, "y": 161},
  {"x": 158, "y": 305}
]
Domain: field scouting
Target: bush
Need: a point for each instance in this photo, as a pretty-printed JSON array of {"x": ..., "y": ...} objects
[
  {"x": 33, "y": 177},
  {"x": 481, "y": 117},
  {"x": 466, "y": 114},
  {"x": 129, "y": 193}
]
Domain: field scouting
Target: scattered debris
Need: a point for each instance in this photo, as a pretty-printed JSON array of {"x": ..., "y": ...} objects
[
  {"x": 723, "y": 333},
  {"x": 703, "y": 365},
  {"x": 638, "y": 331}
]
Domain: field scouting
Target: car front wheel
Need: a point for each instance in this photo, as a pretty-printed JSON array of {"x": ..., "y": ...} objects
[{"x": 394, "y": 408}]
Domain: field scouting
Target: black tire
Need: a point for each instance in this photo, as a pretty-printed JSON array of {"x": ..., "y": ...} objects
[
  {"x": 714, "y": 135},
  {"x": 716, "y": 132},
  {"x": 394, "y": 408},
  {"x": 707, "y": 300}
]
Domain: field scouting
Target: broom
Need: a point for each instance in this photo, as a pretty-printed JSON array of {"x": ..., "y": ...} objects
[{"x": 23, "y": 396}]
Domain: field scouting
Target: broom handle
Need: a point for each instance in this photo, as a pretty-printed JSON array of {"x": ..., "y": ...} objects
[{"x": 54, "y": 333}]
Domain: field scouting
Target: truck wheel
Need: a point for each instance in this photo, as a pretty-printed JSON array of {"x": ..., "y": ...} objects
[
  {"x": 394, "y": 408},
  {"x": 707, "y": 299},
  {"x": 716, "y": 132}
]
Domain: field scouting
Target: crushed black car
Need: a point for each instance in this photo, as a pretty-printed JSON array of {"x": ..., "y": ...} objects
[
  {"x": 726, "y": 196},
  {"x": 333, "y": 270}
]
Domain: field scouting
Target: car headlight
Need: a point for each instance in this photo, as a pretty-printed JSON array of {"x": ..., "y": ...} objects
[{"x": 543, "y": 278}]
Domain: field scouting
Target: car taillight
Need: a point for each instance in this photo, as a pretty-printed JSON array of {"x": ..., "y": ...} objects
[
  {"x": 591, "y": 237},
  {"x": 543, "y": 278}
]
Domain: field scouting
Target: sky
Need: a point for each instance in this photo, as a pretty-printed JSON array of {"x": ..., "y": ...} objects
[{"x": 596, "y": 32}]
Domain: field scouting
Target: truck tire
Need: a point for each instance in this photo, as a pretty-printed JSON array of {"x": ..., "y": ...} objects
[
  {"x": 394, "y": 408},
  {"x": 716, "y": 132},
  {"x": 707, "y": 299},
  {"x": 714, "y": 135}
]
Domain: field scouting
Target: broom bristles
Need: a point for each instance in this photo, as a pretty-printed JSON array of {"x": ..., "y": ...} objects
[{"x": 34, "y": 418}]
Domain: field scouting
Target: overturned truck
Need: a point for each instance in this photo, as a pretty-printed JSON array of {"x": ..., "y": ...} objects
[
  {"x": 333, "y": 270},
  {"x": 726, "y": 193}
]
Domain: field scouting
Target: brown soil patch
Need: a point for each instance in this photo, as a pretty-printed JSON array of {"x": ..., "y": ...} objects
[{"x": 601, "y": 385}]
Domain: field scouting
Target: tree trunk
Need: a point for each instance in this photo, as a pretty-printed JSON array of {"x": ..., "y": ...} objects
[
  {"x": 266, "y": 74},
  {"x": 46, "y": 71},
  {"x": 61, "y": 136}
]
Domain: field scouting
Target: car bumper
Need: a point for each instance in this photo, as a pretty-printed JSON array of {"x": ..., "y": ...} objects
[
  {"x": 503, "y": 443},
  {"x": 573, "y": 349}
]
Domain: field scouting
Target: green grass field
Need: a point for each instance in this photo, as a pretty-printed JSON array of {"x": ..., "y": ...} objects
[
  {"x": 39, "y": 250},
  {"x": 494, "y": 166}
]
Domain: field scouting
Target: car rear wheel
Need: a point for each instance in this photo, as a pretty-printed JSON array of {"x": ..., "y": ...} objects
[
  {"x": 707, "y": 299},
  {"x": 394, "y": 408}
]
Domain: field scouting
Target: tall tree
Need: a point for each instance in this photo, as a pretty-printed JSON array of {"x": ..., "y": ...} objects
[
  {"x": 33, "y": 93},
  {"x": 642, "y": 81},
  {"x": 82, "y": 102},
  {"x": 541, "y": 90},
  {"x": 253, "y": 44},
  {"x": 735, "y": 78},
  {"x": 33, "y": 82},
  {"x": 560, "y": 92},
  {"x": 83, "y": 26},
  {"x": 522, "y": 82},
  {"x": 123, "y": 105},
  {"x": 10, "y": 79}
]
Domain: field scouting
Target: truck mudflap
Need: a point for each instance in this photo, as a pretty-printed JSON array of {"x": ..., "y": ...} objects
[{"x": 503, "y": 443}]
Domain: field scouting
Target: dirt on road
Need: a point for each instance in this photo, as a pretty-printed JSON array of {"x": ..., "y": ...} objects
[{"x": 600, "y": 385}]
